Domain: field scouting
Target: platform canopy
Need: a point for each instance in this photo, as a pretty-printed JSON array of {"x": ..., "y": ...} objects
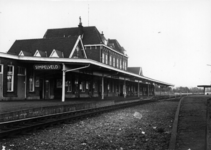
[{"x": 204, "y": 86}]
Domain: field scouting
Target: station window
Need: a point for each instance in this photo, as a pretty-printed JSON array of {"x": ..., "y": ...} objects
[
  {"x": 10, "y": 78},
  {"x": 113, "y": 61},
  {"x": 110, "y": 60},
  {"x": 31, "y": 83},
  {"x": 1, "y": 68},
  {"x": 123, "y": 63},
  {"x": 69, "y": 86},
  {"x": 82, "y": 86},
  {"x": 21, "y": 70},
  {"x": 95, "y": 86},
  {"x": 59, "y": 83},
  {"x": 103, "y": 57},
  {"x": 87, "y": 85}
]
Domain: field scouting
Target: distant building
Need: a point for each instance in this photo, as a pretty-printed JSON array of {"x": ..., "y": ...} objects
[{"x": 70, "y": 63}]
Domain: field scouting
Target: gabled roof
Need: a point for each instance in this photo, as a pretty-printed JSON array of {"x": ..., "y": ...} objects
[
  {"x": 113, "y": 43},
  {"x": 24, "y": 53},
  {"x": 90, "y": 34},
  {"x": 64, "y": 45},
  {"x": 136, "y": 70}
]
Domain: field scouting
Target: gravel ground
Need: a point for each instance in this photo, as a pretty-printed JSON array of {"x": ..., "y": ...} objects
[{"x": 141, "y": 127}]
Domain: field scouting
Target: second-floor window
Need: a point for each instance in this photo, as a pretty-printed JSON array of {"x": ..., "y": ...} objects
[
  {"x": 113, "y": 61},
  {"x": 117, "y": 63},
  {"x": 120, "y": 63},
  {"x": 123, "y": 63},
  {"x": 106, "y": 58},
  {"x": 110, "y": 60},
  {"x": 103, "y": 57}
]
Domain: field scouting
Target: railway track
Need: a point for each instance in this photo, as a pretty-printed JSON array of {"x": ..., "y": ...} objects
[
  {"x": 11, "y": 128},
  {"x": 22, "y": 126},
  {"x": 191, "y": 127}
]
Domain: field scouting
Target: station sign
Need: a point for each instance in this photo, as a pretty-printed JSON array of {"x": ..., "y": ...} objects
[{"x": 47, "y": 67}]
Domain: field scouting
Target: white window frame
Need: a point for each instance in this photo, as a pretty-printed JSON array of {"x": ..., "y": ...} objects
[
  {"x": 2, "y": 68},
  {"x": 110, "y": 60},
  {"x": 12, "y": 78}
]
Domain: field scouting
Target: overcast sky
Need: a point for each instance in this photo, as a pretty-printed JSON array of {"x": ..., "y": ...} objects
[{"x": 169, "y": 39}]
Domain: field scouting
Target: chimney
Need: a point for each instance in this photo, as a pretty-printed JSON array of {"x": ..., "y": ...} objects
[{"x": 81, "y": 32}]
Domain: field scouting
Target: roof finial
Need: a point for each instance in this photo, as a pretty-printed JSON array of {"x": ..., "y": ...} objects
[{"x": 80, "y": 19}]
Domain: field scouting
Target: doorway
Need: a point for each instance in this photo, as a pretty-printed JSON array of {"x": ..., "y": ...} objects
[{"x": 44, "y": 89}]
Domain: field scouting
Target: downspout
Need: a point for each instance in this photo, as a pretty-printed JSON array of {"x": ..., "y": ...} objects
[{"x": 64, "y": 75}]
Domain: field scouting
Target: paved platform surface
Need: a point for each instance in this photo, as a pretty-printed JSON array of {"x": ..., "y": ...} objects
[
  {"x": 192, "y": 125},
  {"x": 15, "y": 105}
]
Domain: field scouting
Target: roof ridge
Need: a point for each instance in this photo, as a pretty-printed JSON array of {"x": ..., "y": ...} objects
[
  {"x": 70, "y": 28},
  {"x": 47, "y": 38}
]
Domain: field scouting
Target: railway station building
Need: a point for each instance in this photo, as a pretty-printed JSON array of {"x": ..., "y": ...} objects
[{"x": 70, "y": 63}]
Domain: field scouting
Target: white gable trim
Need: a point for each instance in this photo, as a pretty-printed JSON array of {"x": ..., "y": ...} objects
[
  {"x": 74, "y": 48},
  {"x": 21, "y": 53},
  {"x": 83, "y": 47},
  {"x": 37, "y": 54},
  {"x": 54, "y": 54},
  {"x": 141, "y": 72}
]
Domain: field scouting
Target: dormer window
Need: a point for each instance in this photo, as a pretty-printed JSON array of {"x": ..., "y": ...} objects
[{"x": 37, "y": 54}]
